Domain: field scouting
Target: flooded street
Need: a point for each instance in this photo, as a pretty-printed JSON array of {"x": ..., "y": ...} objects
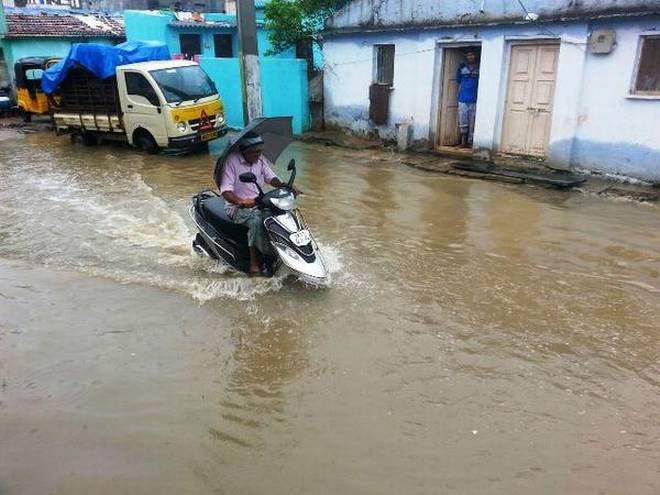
[{"x": 476, "y": 337}]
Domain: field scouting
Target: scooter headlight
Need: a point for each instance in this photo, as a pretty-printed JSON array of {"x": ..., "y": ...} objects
[
  {"x": 182, "y": 127},
  {"x": 284, "y": 203}
]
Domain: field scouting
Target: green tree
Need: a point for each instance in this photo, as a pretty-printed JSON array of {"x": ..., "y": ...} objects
[{"x": 297, "y": 22}]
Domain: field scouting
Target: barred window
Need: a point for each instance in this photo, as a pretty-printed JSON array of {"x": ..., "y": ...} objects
[
  {"x": 223, "y": 48},
  {"x": 647, "y": 78},
  {"x": 384, "y": 70}
]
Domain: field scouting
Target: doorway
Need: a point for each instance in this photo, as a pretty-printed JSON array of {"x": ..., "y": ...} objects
[
  {"x": 530, "y": 98},
  {"x": 448, "y": 136}
]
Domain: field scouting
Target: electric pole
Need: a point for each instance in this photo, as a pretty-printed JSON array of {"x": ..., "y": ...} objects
[{"x": 249, "y": 59}]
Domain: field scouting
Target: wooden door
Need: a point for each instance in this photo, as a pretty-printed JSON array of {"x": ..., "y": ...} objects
[
  {"x": 530, "y": 94},
  {"x": 449, "y": 134}
]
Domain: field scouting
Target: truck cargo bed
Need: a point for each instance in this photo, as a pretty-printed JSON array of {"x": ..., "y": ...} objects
[
  {"x": 83, "y": 92},
  {"x": 87, "y": 121}
]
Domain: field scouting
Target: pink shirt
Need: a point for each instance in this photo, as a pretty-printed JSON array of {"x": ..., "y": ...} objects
[{"x": 235, "y": 165}]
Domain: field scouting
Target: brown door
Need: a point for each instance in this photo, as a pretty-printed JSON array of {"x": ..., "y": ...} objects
[
  {"x": 449, "y": 134},
  {"x": 530, "y": 94}
]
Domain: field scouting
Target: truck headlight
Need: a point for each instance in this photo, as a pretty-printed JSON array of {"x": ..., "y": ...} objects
[
  {"x": 219, "y": 120},
  {"x": 182, "y": 127}
]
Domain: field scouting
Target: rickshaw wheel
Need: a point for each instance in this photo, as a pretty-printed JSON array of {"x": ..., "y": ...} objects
[{"x": 25, "y": 115}]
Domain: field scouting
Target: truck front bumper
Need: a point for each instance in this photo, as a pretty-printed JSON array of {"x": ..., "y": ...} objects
[{"x": 195, "y": 140}]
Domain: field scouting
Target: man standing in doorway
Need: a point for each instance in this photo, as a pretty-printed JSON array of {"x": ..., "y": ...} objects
[{"x": 468, "y": 83}]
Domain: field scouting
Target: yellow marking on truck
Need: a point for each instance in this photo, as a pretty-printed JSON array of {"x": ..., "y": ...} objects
[{"x": 195, "y": 111}]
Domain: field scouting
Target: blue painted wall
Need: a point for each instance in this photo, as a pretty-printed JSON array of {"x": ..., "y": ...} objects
[
  {"x": 284, "y": 84},
  {"x": 226, "y": 74},
  {"x": 3, "y": 22},
  {"x": 145, "y": 25},
  {"x": 151, "y": 26},
  {"x": 284, "y": 89}
]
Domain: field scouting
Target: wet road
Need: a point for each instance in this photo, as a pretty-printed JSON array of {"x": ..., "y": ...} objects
[{"x": 475, "y": 338}]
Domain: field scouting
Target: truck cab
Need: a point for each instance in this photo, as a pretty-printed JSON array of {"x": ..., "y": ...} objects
[{"x": 169, "y": 104}]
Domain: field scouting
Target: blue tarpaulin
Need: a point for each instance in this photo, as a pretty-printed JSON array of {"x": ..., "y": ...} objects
[{"x": 102, "y": 60}]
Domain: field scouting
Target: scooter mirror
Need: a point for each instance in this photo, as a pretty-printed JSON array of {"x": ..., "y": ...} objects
[
  {"x": 292, "y": 168},
  {"x": 248, "y": 177}
]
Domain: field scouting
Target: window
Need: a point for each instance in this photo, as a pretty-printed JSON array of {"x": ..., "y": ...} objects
[
  {"x": 137, "y": 84},
  {"x": 190, "y": 45},
  {"x": 647, "y": 78},
  {"x": 384, "y": 58},
  {"x": 184, "y": 83},
  {"x": 223, "y": 45},
  {"x": 34, "y": 74}
]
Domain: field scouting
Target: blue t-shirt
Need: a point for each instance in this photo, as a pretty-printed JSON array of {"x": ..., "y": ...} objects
[{"x": 468, "y": 83}]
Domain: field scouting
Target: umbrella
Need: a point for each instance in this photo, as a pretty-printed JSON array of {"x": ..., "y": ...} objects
[{"x": 276, "y": 132}]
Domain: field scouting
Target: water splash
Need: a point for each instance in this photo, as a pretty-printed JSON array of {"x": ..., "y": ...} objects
[{"x": 109, "y": 222}]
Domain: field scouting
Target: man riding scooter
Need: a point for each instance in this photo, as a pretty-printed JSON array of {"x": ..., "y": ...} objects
[{"x": 240, "y": 196}]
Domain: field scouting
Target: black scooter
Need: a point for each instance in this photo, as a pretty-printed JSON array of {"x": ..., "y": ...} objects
[{"x": 294, "y": 249}]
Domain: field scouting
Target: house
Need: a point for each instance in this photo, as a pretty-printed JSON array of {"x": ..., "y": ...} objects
[
  {"x": 212, "y": 38},
  {"x": 32, "y": 32},
  {"x": 575, "y": 83}
]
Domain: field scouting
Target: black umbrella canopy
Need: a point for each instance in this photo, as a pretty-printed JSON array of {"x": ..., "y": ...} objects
[{"x": 277, "y": 133}]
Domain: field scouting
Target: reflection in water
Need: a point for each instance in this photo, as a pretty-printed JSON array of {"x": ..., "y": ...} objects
[
  {"x": 267, "y": 357},
  {"x": 477, "y": 337}
]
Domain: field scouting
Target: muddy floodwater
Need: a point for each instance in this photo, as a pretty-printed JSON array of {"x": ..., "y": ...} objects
[{"x": 476, "y": 338}]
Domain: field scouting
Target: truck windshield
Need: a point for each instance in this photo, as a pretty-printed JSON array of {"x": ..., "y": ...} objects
[{"x": 184, "y": 83}]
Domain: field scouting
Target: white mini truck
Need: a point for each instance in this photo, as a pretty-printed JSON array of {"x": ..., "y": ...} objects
[{"x": 151, "y": 105}]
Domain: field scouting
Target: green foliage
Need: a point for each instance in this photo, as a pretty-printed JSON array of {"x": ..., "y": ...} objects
[{"x": 290, "y": 22}]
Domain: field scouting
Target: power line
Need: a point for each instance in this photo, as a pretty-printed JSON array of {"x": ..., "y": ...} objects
[
  {"x": 534, "y": 18},
  {"x": 396, "y": 55}
]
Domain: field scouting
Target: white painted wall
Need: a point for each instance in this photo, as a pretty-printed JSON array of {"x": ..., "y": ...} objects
[
  {"x": 617, "y": 133},
  {"x": 349, "y": 73},
  {"x": 590, "y": 96},
  {"x": 370, "y": 14}
]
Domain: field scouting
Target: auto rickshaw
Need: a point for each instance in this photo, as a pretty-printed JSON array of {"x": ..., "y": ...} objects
[{"x": 30, "y": 98}]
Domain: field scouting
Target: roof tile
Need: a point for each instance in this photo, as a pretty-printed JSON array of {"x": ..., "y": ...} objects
[{"x": 47, "y": 25}]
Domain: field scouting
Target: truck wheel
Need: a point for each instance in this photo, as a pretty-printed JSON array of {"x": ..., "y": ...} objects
[
  {"x": 146, "y": 143},
  {"x": 89, "y": 139}
]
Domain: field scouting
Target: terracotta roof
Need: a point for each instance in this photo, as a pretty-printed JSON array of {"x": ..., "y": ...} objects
[{"x": 49, "y": 25}]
